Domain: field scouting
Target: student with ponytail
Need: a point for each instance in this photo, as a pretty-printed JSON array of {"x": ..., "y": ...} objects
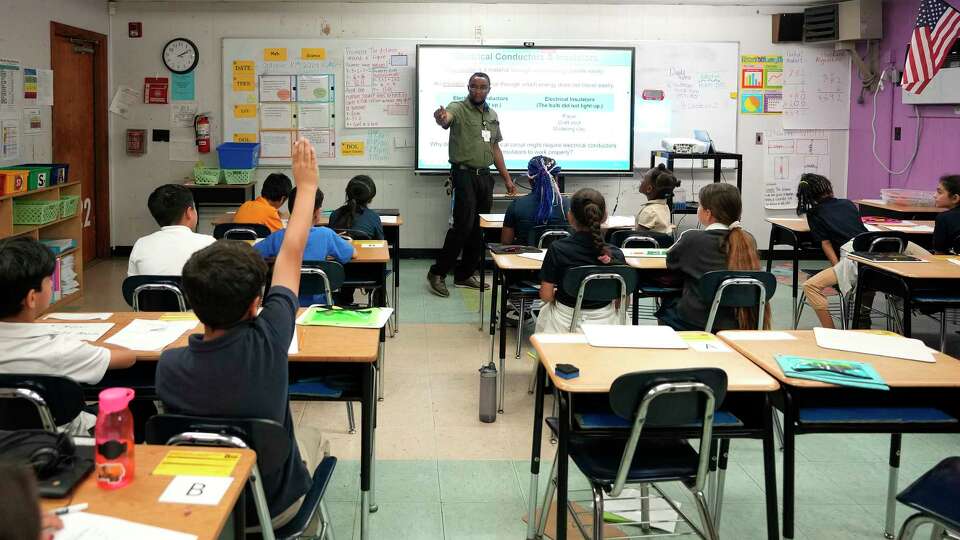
[
  {"x": 354, "y": 214},
  {"x": 544, "y": 205},
  {"x": 721, "y": 245},
  {"x": 585, "y": 247}
]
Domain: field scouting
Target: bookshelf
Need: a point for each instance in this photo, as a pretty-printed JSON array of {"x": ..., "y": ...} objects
[{"x": 65, "y": 227}]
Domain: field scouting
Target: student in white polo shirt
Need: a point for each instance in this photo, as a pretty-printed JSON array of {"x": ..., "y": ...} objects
[{"x": 164, "y": 252}]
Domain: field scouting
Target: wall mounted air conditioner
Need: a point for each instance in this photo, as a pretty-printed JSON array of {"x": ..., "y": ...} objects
[
  {"x": 843, "y": 21},
  {"x": 944, "y": 89}
]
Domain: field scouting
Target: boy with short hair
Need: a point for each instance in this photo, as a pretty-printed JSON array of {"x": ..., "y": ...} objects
[
  {"x": 238, "y": 366},
  {"x": 264, "y": 209},
  {"x": 26, "y": 270},
  {"x": 164, "y": 252},
  {"x": 322, "y": 242}
]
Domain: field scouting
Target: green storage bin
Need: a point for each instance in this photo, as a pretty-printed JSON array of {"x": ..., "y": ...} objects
[
  {"x": 69, "y": 205},
  {"x": 38, "y": 178},
  {"x": 238, "y": 176},
  {"x": 35, "y": 212},
  {"x": 206, "y": 176}
]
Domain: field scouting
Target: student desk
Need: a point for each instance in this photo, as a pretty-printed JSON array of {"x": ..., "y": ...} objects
[
  {"x": 139, "y": 501},
  {"x": 748, "y": 397},
  {"x": 938, "y": 276},
  {"x": 876, "y": 207},
  {"x": 348, "y": 352},
  {"x": 912, "y": 384},
  {"x": 220, "y": 194},
  {"x": 795, "y": 232}
]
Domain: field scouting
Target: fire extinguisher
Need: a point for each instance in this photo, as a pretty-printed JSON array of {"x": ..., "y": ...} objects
[{"x": 201, "y": 125}]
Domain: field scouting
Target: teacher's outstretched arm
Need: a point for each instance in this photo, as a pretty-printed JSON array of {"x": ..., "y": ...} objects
[
  {"x": 443, "y": 118},
  {"x": 504, "y": 173}
]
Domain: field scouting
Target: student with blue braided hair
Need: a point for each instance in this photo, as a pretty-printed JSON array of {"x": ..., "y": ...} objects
[{"x": 544, "y": 205}]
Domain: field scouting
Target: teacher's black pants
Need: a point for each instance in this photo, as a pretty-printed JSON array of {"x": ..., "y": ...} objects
[{"x": 472, "y": 196}]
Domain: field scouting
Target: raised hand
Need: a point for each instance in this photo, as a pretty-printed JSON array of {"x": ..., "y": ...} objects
[{"x": 305, "y": 171}]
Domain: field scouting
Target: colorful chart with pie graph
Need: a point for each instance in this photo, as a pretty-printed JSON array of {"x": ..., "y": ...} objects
[{"x": 751, "y": 103}]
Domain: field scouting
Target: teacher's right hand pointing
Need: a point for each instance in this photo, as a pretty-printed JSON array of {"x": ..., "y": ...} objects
[{"x": 442, "y": 117}]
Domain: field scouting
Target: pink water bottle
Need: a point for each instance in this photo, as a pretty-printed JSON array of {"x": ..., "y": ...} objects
[{"x": 114, "y": 433}]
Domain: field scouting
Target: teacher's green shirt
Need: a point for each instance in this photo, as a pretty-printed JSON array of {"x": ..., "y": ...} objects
[{"x": 467, "y": 145}]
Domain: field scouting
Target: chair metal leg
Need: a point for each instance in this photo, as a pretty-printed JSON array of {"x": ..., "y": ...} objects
[
  {"x": 520, "y": 326},
  {"x": 556, "y": 412},
  {"x": 547, "y": 499},
  {"x": 914, "y": 522},
  {"x": 894, "y": 461},
  {"x": 260, "y": 503},
  {"x": 799, "y": 309},
  {"x": 943, "y": 331},
  {"x": 597, "y": 513},
  {"x": 644, "y": 508},
  {"x": 533, "y": 380},
  {"x": 778, "y": 429},
  {"x": 721, "y": 477},
  {"x": 936, "y": 533},
  {"x": 705, "y": 519},
  {"x": 327, "y": 523},
  {"x": 351, "y": 421}
]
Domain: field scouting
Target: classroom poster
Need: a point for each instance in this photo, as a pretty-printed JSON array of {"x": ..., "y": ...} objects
[
  {"x": 789, "y": 154},
  {"x": 761, "y": 84},
  {"x": 30, "y": 83},
  {"x": 8, "y": 72},
  {"x": 183, "y": 86}
]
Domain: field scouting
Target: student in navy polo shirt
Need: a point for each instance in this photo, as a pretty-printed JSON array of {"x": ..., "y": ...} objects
[{"x": 946, "y": 229}]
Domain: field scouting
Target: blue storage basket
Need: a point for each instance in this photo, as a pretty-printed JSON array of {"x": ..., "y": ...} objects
[{"x": 238, "y": 155}]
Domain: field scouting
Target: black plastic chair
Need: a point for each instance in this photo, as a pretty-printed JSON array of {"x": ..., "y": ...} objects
[
  {"x": 28, "y": 401},
  {"x": 934, "y": 495},
  {"x": 272, "y": 445},
  {"x": 241, "y": 231},
  {"x": 612, "y": 459},
  {"x": 154, "y": 293},
  {"x": 737, "y": 289},
  {"x": 352, "y": 234},
  {"x": 544, "y": 235},
  {"x": 629, "y": 238},
  {"x": 596, "y": 283}
]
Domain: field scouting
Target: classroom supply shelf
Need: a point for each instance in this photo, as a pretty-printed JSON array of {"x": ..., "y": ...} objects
[{"x": 68, "y": 226}]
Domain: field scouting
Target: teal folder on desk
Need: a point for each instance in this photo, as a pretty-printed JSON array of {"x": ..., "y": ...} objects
[{"x": 840, "y": 372}]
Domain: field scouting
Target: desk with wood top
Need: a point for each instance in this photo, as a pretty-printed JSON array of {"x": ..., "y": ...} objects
[
  {"x": 351, "y": 353},
  {"x": 795, "y": 232},
  {"x": 139, "y": 501},
  {"x": 912, "y": 385},
  {"x": 937, "y": 276},
  {"x": 748, "y": 391},
  {"x": 876, "y": 207}
]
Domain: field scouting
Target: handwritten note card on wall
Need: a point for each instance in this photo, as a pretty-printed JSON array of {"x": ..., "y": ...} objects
[
  {"x": 816, "y": 90},
  {"x": 378, "y": 87}
]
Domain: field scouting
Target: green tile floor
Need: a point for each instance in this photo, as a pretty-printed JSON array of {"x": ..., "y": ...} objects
[{"x": 443, "y": 475}]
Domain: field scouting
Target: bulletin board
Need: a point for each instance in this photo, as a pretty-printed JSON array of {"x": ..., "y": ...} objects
[{"x": 351, "y": 98}]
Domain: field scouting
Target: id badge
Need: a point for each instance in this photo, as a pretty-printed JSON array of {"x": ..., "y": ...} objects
[{"x": 485, "y": 135}]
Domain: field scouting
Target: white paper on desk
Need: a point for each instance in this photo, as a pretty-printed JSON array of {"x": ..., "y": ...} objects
[
  {"x": 79, "y": 316},
  {"x": 644, "y": 253},
  {"x": 627, "y": 505},
  {"x": 635, "y": 337},
  {"x": 620, "y": 221},
  {"x": 206, "y": 490},
  {"x": 561, "y": 338},
  {"x": 150, "y": 335},
  {"x": 538, "y": 256},
  {"x": 709, "y": 346},
  {"x": 872, "y": 228},
  {"x": 876, "y": 344},
  {"x": 87, "y": 526},
  {"x": 954, "y": 261},
  {"x": 758, "y": 335},
  {"x": 492, "y": 217},
  {"x": 388, "y": 219},
  {"x": 294, "y": 347},
  {"x": 81, "y": 331},
  {"x": 911, "y": 228}
]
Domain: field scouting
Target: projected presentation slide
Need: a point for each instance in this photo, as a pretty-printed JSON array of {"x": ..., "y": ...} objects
[{"x": 572, "y": 104}]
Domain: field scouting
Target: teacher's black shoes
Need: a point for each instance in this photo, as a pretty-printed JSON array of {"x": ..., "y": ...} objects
[
  {"x": 437, "y": 285},
  {"x": 472, "y": 282}
]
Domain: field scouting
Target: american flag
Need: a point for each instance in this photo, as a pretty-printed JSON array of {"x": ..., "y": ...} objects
[{"x": 937, "y": 27}]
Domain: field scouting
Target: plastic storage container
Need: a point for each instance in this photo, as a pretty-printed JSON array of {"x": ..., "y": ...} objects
[
  {"x": 58, "y": 172},
  {"x": 238, "y": 176},
  {"x": 907, "y": 197},
  {"x": 69, "y": 205},
  {"x": 13, "y": 181},
  {"x": 37, "y": 176},
  {"x": 239, "y": 155},
  {"x": 206, "y": 176},
  {"x": 35, "y": 212},
  {"x": 114, "y": 434}
]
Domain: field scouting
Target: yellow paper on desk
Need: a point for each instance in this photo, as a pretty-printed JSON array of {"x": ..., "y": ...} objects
[
  {"x": 195, "y": 463},
  {"x": 179, "y": 316}
]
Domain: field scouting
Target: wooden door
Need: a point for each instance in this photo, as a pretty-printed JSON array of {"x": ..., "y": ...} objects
[{"x": 78, "y": 60}]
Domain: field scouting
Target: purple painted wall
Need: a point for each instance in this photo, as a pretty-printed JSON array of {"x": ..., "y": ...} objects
[{"x": 940, "y": 132}]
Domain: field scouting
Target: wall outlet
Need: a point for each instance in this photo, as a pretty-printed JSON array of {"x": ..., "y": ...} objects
[
  {"x": 896, "y": 133},
  {"x": 758, "y": 139}
]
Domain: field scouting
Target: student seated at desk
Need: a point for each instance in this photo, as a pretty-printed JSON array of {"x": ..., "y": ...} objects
[
  {"x": 322, "y": 243},
  {"x": 354, "y": 214},
  {"x": 20, "y": 513},
  {"x": 264, "y": 209},
  {"x": 654, "y": 215},
  {"x": 544, "y": 205},
  {"x": 946, "y": 228},
  {"x": 26, "y": 275},
  {"x": 586, "y": 247},
  {"x": 164, "y": 252},
  {"x": 721, "y": 245},
  {"x": 238, "y": 366}
]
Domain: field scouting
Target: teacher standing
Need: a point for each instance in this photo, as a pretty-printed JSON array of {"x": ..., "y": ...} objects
[{"x": 474, "y": 146}]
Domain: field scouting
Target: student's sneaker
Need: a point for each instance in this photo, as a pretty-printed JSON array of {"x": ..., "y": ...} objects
[
  {"x": 437, "y": 285},
  {"x": 472, "y": 282}
]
